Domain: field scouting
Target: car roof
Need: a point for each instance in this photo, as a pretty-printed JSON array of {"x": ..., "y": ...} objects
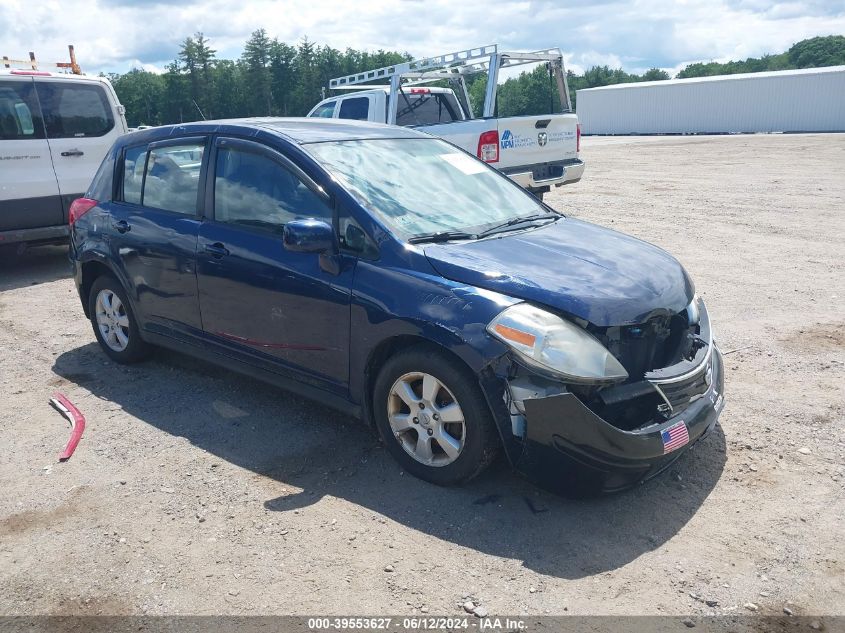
[
  {"x": 42, "y": 74},
  {"x": 300, "y": 130}
]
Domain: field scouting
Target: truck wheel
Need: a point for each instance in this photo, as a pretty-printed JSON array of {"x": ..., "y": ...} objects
[
  {"x": 433, "y": 417},
  {"x": 539, "y": 195},
  {"x": 114, "y": 322}
]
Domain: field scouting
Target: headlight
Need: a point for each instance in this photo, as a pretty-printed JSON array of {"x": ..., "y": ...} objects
[{"x": 543, "y": 339}]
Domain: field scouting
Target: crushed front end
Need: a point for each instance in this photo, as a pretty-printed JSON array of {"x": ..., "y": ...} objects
[{"x": 583, "y": 439}]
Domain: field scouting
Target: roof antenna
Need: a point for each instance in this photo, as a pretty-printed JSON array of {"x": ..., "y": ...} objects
[{"x": 198, "y": 109}]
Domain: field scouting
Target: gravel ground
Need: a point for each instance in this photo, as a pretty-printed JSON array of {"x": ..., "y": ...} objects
[{"x": 198, "y": 491}]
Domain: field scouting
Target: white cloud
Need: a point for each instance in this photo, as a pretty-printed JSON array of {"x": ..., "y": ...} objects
[{"x": 635, "y": 34}]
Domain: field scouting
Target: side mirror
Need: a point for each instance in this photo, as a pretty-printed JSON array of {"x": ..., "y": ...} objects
[
  {"x": 356, "y": 239},
  {"x": 309, "y": 236}
]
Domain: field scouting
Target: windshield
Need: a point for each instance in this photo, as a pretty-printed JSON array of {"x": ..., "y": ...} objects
[{"x": 422, "y": 186}]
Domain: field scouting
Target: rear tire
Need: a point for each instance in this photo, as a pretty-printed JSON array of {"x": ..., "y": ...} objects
[
  {"x": 114, "y": 322},
  {"x": 433, "y": 417}
]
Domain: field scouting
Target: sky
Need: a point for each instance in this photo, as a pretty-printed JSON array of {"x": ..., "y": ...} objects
[{"x": 634, "y": 34}]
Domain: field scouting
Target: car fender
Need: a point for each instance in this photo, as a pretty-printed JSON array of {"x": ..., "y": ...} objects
[{"x": 404, "y": 305}]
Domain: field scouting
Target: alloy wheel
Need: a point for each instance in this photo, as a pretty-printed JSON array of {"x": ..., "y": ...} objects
[
  {"x": 426, "y": 419},
  {"x": 112, "y": 320}
]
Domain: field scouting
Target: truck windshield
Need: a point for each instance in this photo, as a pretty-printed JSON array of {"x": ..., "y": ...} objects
[{"x": 422, "y": 186}]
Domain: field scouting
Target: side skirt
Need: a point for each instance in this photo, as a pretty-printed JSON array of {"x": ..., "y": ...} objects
[{"x": 235, "y": 363}]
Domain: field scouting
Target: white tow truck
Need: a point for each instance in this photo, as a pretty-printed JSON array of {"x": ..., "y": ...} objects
[{"x": 537, "y": 152}]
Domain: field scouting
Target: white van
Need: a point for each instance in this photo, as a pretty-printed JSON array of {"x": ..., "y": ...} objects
[{"x": 55, "y": 129}]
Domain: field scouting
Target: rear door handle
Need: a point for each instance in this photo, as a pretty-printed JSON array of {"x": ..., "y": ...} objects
[
  {"x": 73, "y": 152},
  {"x": 122, "y": 226},
  {"x": 216, "y": 250}
]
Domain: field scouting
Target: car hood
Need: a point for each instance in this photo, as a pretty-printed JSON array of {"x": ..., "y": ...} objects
[{"x": 579, "y": 268}]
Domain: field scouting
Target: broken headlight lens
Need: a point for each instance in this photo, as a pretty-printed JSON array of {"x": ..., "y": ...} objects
[
  {"x": 545, "y": 340},
  {"x": 694, "y": 311}
]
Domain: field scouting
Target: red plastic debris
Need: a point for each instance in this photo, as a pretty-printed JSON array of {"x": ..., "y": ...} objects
[{"x": 76, "y": 419}]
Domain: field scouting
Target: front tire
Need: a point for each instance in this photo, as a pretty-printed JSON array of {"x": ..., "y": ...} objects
[
  {"x": 114, "y": 322},
  {"x": 433, "y": 418}
]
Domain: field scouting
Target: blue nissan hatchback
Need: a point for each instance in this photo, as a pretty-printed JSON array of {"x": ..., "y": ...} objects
[{"x": 396, "y": 278}]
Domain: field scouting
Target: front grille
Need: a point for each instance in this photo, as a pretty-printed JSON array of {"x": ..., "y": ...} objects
[{"x": 681, "y": 394}]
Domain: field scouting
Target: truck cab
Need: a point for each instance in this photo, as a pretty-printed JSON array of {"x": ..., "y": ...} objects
[{"x": 417, "y": 107}]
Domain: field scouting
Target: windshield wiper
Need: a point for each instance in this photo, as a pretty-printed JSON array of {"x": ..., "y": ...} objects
[
  {"x": 515, "y": 222},
  {"x": 441, "y": 236}
]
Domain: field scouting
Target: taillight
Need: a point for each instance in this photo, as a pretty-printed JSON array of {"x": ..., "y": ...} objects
[
  {"x": 39, "y": 73},
  {"x": 80, "y": 207},
  {"x": 420, "y": 91},
  {"x": 488, "y": 146},
  {"x": 578, "y": 138}
]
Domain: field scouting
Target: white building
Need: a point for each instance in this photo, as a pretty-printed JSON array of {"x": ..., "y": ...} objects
[{"x": 807, "y": 100}]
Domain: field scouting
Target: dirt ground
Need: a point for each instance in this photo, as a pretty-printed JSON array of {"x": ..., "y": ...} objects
[{"x": 198, "y": 491}]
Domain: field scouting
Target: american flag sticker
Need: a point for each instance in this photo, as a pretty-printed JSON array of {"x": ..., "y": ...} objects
[{"x": 674, "y": 437}]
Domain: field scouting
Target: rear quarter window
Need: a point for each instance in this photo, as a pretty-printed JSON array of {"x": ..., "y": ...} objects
[
  {"x": 357, "y": 108},
  {"x": 134, "y": 159},
  {"x": 75, "y": 110},
  {"x": 19, "y": 115}
]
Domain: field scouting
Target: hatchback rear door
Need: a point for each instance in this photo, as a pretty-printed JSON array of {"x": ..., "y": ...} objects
[
  {"x": 82, "y": 121},
  {"x": 153, "y": 231},
  {"x": 29, "y": 194}
]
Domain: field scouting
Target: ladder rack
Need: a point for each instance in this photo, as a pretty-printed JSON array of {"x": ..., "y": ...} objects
[
  {"x": 454, "y": 67},
  {"x": 415, "y": 66},
  {"x": 32, "y": 64}
]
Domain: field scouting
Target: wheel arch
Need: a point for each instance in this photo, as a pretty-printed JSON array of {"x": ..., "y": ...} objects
[
  {"x": 91, "y": 269},
  {"x": 388, "y": 348}
]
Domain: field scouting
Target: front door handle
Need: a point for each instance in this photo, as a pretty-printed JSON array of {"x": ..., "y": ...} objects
[
  {"x": 216, "y": 250},
  {"x": 73, "y": 152},
  {"x": 122, "y": 226}
]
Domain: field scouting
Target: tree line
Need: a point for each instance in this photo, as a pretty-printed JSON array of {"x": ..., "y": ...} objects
[{"x": 272, "y": 78}]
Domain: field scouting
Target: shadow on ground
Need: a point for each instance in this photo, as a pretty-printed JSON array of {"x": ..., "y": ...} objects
[
  {"x": 36, "y": 265},
  {"x": 306, "y": 446}
]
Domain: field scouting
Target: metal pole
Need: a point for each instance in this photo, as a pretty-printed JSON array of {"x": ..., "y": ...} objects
[
  {"x": 463, "y": 83},
  {"x": 32, "y": 61},
  {"x": 492, "y": 85},
  {"x": 562, "y": 86},
  {"x": 393, "y": 105}
]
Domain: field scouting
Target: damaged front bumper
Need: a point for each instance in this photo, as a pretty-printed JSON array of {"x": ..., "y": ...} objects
[{"x": 569, "y": 448}]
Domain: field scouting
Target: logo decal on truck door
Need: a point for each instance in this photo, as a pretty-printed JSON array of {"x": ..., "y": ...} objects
[{"x": 542, "y": 139}]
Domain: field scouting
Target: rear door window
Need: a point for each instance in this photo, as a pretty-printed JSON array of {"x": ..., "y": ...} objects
[
  {"x": 19, "y": 115},
  {"x": 74, "y": 110},
  {"x": 426, "y": 108},
  {"x": 357, "y": 108},
  {"x": 325, "y": 111},
  {"x": 172, "y": 177}
]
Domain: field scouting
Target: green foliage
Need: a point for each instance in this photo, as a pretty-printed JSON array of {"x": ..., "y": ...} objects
[
  {"x": 818, "y": 51},
  {"x": 277, "y": 79},
  {"x": 812, "y": 53},
  {"x": 271, "y": 78},
  {"x": 142, "y": 93}
]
